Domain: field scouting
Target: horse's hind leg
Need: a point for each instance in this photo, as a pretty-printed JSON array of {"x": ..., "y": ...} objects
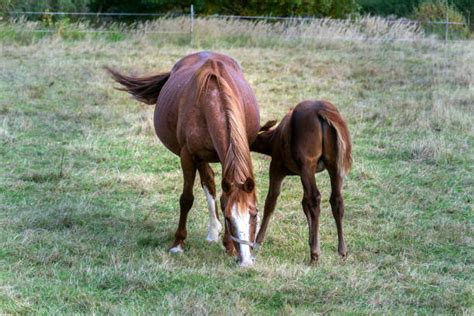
[
  {"x": 186, "y": 200},
  {"x": 337, "y": 206},
  {"x": 207, "y": 181},
  {"x": 276, "y": 178},
  {"x": 311, "y": 207}
]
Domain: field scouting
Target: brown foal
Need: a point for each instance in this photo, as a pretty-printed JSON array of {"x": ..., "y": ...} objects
[
  {"x": 206, "y": 112},
  {"x": 310, "y": 138}
]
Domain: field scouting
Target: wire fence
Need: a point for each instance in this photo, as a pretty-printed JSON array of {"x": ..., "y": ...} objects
[{"x": 192, "y": 16}]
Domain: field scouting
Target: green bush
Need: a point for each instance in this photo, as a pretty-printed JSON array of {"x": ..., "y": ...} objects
[
  {"x": 45, "y": 5},
  {"x": 437, "y": 11}
]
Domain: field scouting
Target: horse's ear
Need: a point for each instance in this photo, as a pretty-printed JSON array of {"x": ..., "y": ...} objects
[
  {"x": 248, "y": 185},
  {"x": 268, "y": 125},
  {"x": 225, "y": 186}
]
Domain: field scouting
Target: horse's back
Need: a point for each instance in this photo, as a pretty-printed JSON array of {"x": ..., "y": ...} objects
[
  {"x": 194, "y": 62},
  {"x": 181, "y": 120}
]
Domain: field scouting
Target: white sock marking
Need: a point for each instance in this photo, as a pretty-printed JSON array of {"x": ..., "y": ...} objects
[
  {"x": 214, "y": 227},
  {"x": 177, "y": 249}
]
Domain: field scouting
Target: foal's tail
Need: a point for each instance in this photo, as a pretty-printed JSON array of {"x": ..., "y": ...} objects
[
  {"x": 331, "y": 115},
  {"x": 144, "y": 89}
]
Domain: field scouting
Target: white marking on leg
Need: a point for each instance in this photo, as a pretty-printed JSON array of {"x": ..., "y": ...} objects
[
  {"x": 241, "y": 222},
  {"x": 214, "y": 226},
  {"x": 177, "y": 249}
]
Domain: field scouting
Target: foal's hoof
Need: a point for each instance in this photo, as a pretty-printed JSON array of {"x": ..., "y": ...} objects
[
  {"x": 177, "y": 249},
  {"x": 343, "y": 252},
  {"x": 314, "y": 259}
]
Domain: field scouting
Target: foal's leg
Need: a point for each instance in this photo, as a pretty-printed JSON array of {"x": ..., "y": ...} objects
[
  {"x": 209, "y": 187},
  {"x": 311, "y": 207},
  {"x": 337, "y": 206},
  {"x": 276, "y": 178},
  {"x": 186, "y": 200}
]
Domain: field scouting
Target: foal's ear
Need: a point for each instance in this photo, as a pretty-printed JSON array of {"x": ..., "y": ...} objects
[
  {"x": 225, "y": 186},
  {"x": 268, "y": 125},
  {"x": 248, "y": 185}
]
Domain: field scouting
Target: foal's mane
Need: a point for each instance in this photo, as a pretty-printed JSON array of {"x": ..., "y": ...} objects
[{"x": 237, "y": 165}]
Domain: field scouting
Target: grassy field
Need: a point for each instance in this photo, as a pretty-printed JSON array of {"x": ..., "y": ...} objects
[{"x": 89, "y": 196}]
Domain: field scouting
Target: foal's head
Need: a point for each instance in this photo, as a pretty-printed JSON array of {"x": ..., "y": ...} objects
[
  {"x": 239, "y": 203},
  {"x": 264, "y": 142}
]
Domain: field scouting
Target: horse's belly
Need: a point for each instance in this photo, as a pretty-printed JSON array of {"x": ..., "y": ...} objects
[
  {"x": 199, "y": 144},
  {"x": 165, "y": 121}
]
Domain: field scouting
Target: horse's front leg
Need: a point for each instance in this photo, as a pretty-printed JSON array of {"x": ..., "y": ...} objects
[
  {"x": 186, "y": 200},
  {"x": 209, "y": 187},
  {"x": 311, "y": 207},
  {"x": 276, "y": 178}
]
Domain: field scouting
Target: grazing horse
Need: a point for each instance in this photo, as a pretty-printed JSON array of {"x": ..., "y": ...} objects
[
  {"x": 206, "y": 112},
  {"x": 310, "y": 138}
]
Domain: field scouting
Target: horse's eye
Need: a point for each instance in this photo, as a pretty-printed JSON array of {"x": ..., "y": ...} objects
[{"x": 225, "y": 186}]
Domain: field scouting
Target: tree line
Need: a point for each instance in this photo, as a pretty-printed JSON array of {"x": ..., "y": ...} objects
[{"x": 316, "y": 8}]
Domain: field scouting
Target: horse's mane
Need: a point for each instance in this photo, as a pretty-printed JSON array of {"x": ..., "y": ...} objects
[{"x": 237, "y": 165}]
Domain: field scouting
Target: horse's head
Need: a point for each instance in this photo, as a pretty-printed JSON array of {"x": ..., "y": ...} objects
[{"x": 239, "y": 205}]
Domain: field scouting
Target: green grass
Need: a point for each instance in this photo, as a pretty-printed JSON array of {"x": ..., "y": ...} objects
[{"x": 89, "y": 196}]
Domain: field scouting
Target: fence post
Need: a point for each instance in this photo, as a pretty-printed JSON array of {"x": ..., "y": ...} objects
[
  {"x": 447, "y": 23},
  {"x": 192, "y": 24}
]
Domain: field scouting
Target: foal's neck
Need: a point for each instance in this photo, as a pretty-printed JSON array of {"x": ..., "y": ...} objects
[{"x": 264, "y": 143}]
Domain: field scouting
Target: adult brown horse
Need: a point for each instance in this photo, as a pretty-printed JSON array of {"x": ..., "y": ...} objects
[
  {"x": 310, "y": 138},
  {"x": 206, "y": 112}
]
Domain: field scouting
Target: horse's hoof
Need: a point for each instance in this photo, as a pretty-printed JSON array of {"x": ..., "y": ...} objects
[
  {"x": 256, "y": 246},
  {"x": 213, "y": 231},
  {"x": 210, "y": 238},
  {"x": 213, "y": 236},
  {"x": 177, "y": 249}
]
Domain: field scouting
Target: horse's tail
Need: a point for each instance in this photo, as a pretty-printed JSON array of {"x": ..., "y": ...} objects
[
  {"x": 331, "y": 115},
  {"x": 144, "y": 89}
]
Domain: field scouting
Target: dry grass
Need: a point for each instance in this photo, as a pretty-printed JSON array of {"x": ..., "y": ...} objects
[{"x": 89, "y": 233}]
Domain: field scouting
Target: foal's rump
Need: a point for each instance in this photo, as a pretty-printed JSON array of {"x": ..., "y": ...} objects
[{"x": 327, "y": 131}]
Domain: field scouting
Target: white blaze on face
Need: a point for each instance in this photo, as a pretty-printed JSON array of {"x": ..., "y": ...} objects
[
  {"x": 241, "y": 223},
  {"x": 214, "y": 226}
]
